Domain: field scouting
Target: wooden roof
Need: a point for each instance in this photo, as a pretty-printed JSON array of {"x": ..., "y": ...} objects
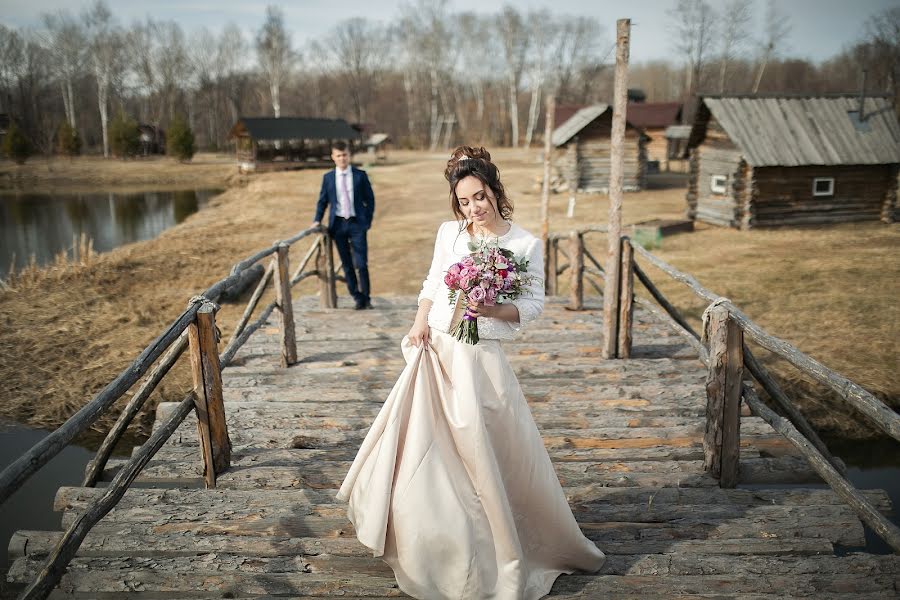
[
  {"x": 654, "y": 114},
  {"x": 293, "y": 128},
  {"x": 581, "y": 119},
  {"x": 795, "y": 131}
]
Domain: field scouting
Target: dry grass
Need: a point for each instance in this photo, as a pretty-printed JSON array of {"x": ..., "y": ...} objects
[{"x": 831, "y": 291}]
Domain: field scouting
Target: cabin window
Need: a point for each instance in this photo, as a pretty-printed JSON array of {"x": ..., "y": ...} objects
[
  {"x": 823, "y": 186},
  {"x": 718, "y": 184}
]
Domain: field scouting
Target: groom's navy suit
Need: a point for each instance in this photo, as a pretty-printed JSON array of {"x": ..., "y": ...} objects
[{"x": 350, "y": 234}]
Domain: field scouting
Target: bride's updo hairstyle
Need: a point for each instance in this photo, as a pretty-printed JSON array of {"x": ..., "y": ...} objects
[{"x": 476, "y": 162}]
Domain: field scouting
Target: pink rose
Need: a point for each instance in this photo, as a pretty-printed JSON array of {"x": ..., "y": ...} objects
[
  {"x": 464, "y": 282},
  {"x": 490, "y": 297},
  {"x": 477, "y": 295},
  {"x": 451, "y": 280},
  {"x": 455, "y": 269}
]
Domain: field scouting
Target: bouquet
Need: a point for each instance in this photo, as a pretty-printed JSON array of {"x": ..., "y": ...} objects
[{"x": 490, "y": 275}]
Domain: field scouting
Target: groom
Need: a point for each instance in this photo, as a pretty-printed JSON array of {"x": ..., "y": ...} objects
[{"x": 347, "y": 193}]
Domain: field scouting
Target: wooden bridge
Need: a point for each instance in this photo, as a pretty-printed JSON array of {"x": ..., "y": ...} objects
[{"x": 246, "y": 508}]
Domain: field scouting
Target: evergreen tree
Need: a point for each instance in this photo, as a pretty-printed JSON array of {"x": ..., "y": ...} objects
[
  {"x": 124, "y": 136},
  {"x": 67, "y": 141},
  {"x": 180, "y": 141},
  {"x": 16, "y": 144}
]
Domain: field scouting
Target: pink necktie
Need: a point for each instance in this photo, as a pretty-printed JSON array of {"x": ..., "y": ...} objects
[{"x": 345, "y": 198}]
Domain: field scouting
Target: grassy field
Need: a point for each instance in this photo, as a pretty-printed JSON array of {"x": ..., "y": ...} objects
[{"x": 66, "y": 332}]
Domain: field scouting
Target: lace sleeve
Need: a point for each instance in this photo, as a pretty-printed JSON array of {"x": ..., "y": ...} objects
[
  {"x": 531, "y": 302},
  {"x": 433, "y": 279}
]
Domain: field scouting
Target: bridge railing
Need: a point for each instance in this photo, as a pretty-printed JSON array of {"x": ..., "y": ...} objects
[
  {"x": 194, "y": 330},
  {"x": 721, "y": 347}
]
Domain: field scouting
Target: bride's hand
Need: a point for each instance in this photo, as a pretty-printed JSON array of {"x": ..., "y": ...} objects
[
  {"x": 418, "y": 334},
  {"x": 479, "y": 309}
]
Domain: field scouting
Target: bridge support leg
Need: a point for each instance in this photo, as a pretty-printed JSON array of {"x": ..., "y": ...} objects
[
  {"x": 721, "y": 441},
  {"x": 215, "y": 445},
  {"x": 325, "y": 266},
  {"x": 283, "y": 301},
  {"x": 576, "y": 266},
  {"x": 626, "y": 300}
]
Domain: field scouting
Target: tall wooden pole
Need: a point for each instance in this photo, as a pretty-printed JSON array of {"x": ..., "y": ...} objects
[
  {"x": 616, "y": 178},
  {"x": 545, "y": 194}
]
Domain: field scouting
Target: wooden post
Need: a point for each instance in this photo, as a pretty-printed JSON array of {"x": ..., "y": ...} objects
[
  {"x": 283, "y": 300},
  {"x": 626, "y": 299},
  {"x": 576, "y": 265},
  {"x": 574, "y": 178},
  {"x": 551, "y": 266},
  {"x": 211, "y": 428},
  {"x": 325, "y": 267},
  {"x": 616, "y": 178},
  {"x": 545, "y": 193},
  {"x": 329, "y": 265},
  {"x": 721, "y": 441}
]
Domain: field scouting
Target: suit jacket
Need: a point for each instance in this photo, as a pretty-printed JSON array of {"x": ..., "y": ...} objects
[{"x": 363, "y": 198}]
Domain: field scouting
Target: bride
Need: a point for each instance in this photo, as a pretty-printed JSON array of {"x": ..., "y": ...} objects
[{"x": 452, "y": 485}]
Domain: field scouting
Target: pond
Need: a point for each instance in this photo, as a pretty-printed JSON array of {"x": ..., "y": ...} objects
[{"x": 42, "y": 225}]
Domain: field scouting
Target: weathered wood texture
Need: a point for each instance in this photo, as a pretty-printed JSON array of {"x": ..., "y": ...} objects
[
  {"x": 285, "y": 307},
  {"x": 721, "y": 440},
  {"x": 626, "y": 438}
]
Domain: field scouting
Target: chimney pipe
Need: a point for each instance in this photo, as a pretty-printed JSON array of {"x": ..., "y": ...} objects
[{"x": 862, "y": 97}]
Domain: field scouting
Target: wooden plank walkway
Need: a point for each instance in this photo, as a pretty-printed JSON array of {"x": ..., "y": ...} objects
[{"x": 624, "y": 435}]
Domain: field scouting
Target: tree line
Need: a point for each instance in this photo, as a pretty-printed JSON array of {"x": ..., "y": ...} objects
[{"x": 430, "y": 78}]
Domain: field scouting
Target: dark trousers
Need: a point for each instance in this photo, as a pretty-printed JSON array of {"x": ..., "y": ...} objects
[{"x": 350, "y": 239}]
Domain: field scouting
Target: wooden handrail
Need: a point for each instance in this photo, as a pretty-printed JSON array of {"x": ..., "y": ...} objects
[
  {"x": 39, "y": 454},
  {"x": 68, "y": 545}
]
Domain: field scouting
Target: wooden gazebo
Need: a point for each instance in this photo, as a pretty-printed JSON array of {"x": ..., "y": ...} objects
[{"x": 272, "y": 143}]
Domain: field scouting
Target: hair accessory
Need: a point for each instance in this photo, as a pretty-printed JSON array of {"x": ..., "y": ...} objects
[{"x": 462, "y": 158}]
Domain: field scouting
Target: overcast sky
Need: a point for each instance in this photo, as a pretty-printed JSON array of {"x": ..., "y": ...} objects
[{"x": 820, "y": 28}]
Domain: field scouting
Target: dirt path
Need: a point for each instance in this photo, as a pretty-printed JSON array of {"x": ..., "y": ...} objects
[{"x": 832, "y": 291}]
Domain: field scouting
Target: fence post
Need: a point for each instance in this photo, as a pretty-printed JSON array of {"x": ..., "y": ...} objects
[
  {"x": 215, "y": 445},
  {"x": 325, "y": 267},
  {"x": 721, "y": 440},
  {"x": 576, "y": 264},
  {"x": 551, "y": 266},
  {"x": 283, "y": 301},
  {"x": 329, "y": 263},
  {"x": 626, "y": 299}
]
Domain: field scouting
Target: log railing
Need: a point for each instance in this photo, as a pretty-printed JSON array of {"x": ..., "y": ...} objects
[
  {"x": 723, "y": 349},
  {"x": 194, "y": 330}
]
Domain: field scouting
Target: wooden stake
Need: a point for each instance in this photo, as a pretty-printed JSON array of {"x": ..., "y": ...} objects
[
  {"x": 283, "y": 300},
  {"x": 721, "y": 441},
  {"x": 626, "y": 300},
  {"x": 329, "y": 265},
  {"x": 211, "y": 428},
  {"x": 616, "y": 178},
  {"x": 545, "y": 191},
  {"x": 551, "y": 267},
  {"x": 576, "y": 245}
]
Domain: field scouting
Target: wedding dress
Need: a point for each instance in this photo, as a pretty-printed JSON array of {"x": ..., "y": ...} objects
[{"x": 452, "y": 485}]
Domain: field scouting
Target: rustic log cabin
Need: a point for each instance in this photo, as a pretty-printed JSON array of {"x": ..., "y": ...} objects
[
  {"x": 653, "y": 118},
  {"x": 276, "y": 143},
  {"x": 583, "y": 145},
  {"x": 769, "y": 161}
]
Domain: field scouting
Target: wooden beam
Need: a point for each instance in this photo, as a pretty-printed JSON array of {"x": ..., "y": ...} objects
[
  {"x": 721, "y": 440},
  {"x": 284, "y": 303},
  {"x": 626, "y": 300},
  {"x": 211, "y": 428},
  {"x": 576, "y": 249},
  {"x": 616, "y": 178}
]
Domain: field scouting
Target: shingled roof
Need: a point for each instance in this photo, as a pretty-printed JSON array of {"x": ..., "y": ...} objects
[
  {"x": 294, "y": 128},
  {"x": 795, "y": 131},
  {"x": 653, "y": 114}
]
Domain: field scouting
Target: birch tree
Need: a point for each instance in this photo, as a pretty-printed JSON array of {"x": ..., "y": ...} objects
[
  {"x": 105, "y": 48},
  {"x": 777, "y": 27},
  {"x": 232, "y": 47},
  {"x": 274, "y": 53},
  {"x": 692, "y": 24},
  {"x": 736, "y": 18},
  {"x": 64, "y": 39},
  {"x": 358, "y": 47},
  {"x": 543, "y": 30},
  {"x": 514, "y": 44},
  {"x": 171, "y": 64}
]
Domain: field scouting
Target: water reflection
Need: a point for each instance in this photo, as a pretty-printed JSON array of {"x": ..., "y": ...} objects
[{"x": 43, "y": 224}]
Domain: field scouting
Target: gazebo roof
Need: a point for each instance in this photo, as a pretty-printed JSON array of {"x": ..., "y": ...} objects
[{"x": 293, "y": 128}]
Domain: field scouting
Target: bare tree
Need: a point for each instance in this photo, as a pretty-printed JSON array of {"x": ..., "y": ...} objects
[
  {"x": 65, "y": 40},
  {"x": 232, "y": 48},
  {"x": 357, "y": 48},
  {"x": 12, "y": 57},
  {"x": 542, "y": 30},
  {"x": 514, "y": 44},
  {"x": 579, "y": 49},
  {"x": 693, "y": 23},
  {"x": 777, "y": 28},
  {"x": 105, "y": 49},
  {"x": 171, "y": 64},
  {"x": 141, "y": 43},
  {"x": 273, "y": 50},
  {"x": 735, "y": 21},
  {"x": 883, "y": 55}
]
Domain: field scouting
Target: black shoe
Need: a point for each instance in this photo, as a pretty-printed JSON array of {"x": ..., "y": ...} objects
[
  {"x": 369, "y": 305},
  {"x": 360, "y": 305}
]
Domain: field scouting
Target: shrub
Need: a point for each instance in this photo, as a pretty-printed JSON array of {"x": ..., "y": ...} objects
[
  {"x": 67, "y": 141},
  {"x": 124, "y": 136},
  {"x": 16, "y": 144},
  {"x": 180, "y": 140}
]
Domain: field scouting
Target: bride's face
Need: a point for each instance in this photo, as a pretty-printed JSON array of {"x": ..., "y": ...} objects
[{"x": 477, "y": 201}]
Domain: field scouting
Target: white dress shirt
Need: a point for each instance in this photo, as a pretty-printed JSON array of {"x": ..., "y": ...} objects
[
  {"x": 339, "y": 180},
  {"x": 450, "y": 247}
]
